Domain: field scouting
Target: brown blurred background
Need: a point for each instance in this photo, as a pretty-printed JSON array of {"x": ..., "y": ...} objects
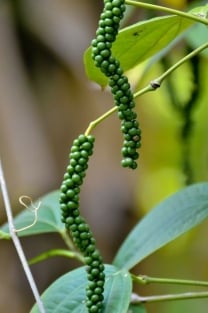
[{"x": 46, "y": 101}]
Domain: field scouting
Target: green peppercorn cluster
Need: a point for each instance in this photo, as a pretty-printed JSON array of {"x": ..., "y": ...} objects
[
  {"x": 81, "y": 234},
  {"x": 101, "y": 53}
]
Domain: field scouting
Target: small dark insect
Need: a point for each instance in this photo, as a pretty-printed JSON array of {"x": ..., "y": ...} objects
[{"x": 137, "y": 33}]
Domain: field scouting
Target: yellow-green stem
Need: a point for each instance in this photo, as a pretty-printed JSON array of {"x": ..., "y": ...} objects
[
  {"x": 56, "y": 252},
  {"x": 136, "y": 299},
  {"x": 144, "y": 280}
]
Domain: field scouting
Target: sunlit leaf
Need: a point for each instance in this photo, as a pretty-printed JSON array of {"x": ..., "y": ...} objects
[
  {"x": 167, "y": 221},
  {"x": 67, "y": 293},
  {"x": 49, "y": 217},
  {"x": 136, "y": 43}
]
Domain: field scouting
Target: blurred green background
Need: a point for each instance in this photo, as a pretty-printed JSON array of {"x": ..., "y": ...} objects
[{"x": 46, "y": 101}]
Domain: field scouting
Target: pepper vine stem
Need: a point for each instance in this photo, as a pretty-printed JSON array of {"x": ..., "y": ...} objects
[
  {"x": 154, "y": 84},
  {"x": 136, "y": 299},
  {"x": 190, "y": 16},
  {"x": 94, "y": 123},
  {"x": 56, "y": 252},
  {"x": 17, "y": 243},
  {"x": 145, "y": 280}
]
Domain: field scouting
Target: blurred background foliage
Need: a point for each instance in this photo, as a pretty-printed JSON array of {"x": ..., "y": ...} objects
[{"x": 46, "y": 101}]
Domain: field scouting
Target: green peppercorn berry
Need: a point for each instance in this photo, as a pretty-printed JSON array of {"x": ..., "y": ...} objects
[
  {"x": 134, "y": 165},
  {"x": 69, "y": 220},
  {"x": 82, "y": 161},
  {"x": 101, "y": 23},
  {"x": 92, "y": 285},
  {"x": 88, "y": 260},
  {"x": 85, "y": 235},
  {"x": 63, "y": 197},
  {"x": 98, "y": 59},
  {"x": 101, "y": 267},
  {"x": 95, "y": 255},
  {"x": 63, "y": 207},
  {"x": 100, "y": 283},
  {"x": 78, "y": 220},
  {"x": 95, "y": 263},
  {"x": 98, "y": 290},
  {"x": 75, "y": 234},
  {"x": 101, "y": 275},
  {"x": 91, "y": 249},
  {"x": 83, "y": 227},
  {"x": 82, "y": 138},
  {"x": 110, "y": 37},
  {"x": 108, "y": 21},
  {"x": 94, "y": 309},
  {"x": 87, "y": 146},
  {"x": 73, "y": 162},
  {"x": 72, "y": 205},
  {"x": 127, "y": 162},
  {"x": 64, "y": 188},
  {"x": 69, "y": 182},
  {"x": 70, "y": 193},
  {"x": 95, "y": 272},
  {"x": 88, "y": 303},
  {"x": 73, "y": 227},
  {"x": 95, "y": 298},
  {"x": 89, "y": 293}
]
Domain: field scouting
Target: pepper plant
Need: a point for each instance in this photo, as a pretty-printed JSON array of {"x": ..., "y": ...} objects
[{"x": 95, "y": 286}]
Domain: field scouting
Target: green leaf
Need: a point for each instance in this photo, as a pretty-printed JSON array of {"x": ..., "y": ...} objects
[
  {"x": 138, "y": 308},
  {"x": 49, "y": 217},
  {"x": 198, "y": 36},
  {"x": 168, "y": 220},
  {"x": 67, "y": 293},
  {"x": 201, "y": 11},
  {"x": 136, "y": 43},
  {"x": 4, "y": 235}
]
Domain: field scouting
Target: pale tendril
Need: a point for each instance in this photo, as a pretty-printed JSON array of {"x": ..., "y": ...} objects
[{"x": 33, "y": 208}]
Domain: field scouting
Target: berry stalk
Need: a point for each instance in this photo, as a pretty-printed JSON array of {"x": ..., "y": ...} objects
[
  {"x": 79, "y": 230},
  {"x": 106, "y": 34}
]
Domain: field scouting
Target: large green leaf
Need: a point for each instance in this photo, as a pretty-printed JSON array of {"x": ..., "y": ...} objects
[
  {"x": 67, "y": 293},
  {"x": 49, "y": 217},
  {"x": 168, "y": 220},
  {"x": 136, "y": 43}
]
